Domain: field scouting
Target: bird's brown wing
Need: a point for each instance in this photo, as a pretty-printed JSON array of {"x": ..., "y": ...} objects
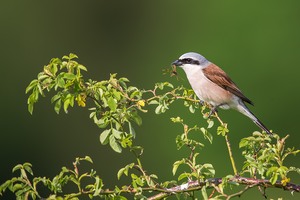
[{"x": 219, "y": 77}]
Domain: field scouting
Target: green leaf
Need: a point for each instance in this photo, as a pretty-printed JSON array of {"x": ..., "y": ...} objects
[
  {"x": 60, "y": 82},
  {"x": 124, "y": 170},
  {"x": 17, "y": 167},
  {"x": 57, "y": 106},
  {"x": 101, "y": 123},
  {"x": 244, "y": 142},
  {"x": 69, "y": 76},
  {"x": 192, "y": 109},
  {"x": 72, "y": 56},
  {"x": 104, "y": 136},
  {"x": 42, "y": 76},
  {"x": 82, "y": 67},
  {"x": 176, "y": 120},
  {"x": 204, "y": 193},
  {"x": 208, "y": 170},
  {"x": 121, "y": 172},
  {"x": 116, "y": 133},
  {"x": 176, "y": 165},
  {"x": 117, "y": 94},
  {"x": 88, "y": 158},
  {"x": 114, "y": 144},
  {"x": 66, "y": 104},
  {"x": 124, "y": 79},
  {"x": 17, "y": 187},
  {"x": 183, "y": 175},
  {"x": 27, "y": 166},
  {"x": 98, "y": 186},
  {"x": 274, "y": 178},
  {"x": 153, "y": 102},
  {"x": 222, "y": 130},
  {"x": 55, "y": 98},
  {"x": 30, "y": 108},
  {"x": 131, "y": 130},
  {"x": 31, "y": 85},
  {"x": 135, "y": 117},
  {"x": 207, "y": 135},
  {"x": 112, "y": 104},
  {"x": 158, "y": 109},
  {"x": 210, "y": 123}
]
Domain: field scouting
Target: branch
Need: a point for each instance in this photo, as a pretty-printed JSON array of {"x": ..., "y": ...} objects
[{"x": 210, "y": 183}]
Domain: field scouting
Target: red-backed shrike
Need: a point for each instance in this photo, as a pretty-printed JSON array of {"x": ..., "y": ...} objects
[{"x": 212, "y": 85}]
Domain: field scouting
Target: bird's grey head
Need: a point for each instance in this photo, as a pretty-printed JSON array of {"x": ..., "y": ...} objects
[{"x": 191, "y": 58}]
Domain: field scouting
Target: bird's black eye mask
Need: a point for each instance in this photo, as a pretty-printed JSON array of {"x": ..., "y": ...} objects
[{"x": 189, "y": 61}]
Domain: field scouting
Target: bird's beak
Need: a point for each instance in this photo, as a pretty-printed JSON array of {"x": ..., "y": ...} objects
[{"x": 177, "y": 63}]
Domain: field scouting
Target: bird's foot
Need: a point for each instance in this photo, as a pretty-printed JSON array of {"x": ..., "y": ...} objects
[
  {"x": 202, "y": 102},
  {"x": 213, "y": 110}
]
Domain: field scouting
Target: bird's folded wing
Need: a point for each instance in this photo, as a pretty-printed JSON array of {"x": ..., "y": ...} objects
[{"x": 219, "y": 77}]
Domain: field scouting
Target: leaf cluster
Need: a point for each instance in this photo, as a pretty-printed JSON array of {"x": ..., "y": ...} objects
[{"x": 264, "y": 158}]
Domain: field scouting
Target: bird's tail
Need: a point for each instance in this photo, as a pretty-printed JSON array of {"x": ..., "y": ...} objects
[{"x": 243, "y": 109}]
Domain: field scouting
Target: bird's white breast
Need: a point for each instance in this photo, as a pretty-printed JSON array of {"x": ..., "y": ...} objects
[{"x": 205, "y": 89}]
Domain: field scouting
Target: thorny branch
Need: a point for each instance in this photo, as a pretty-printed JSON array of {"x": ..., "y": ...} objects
[{"x": 211, "y": 183}]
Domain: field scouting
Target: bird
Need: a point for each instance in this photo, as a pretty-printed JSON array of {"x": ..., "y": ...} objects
[{"x": 213, "y": 86}]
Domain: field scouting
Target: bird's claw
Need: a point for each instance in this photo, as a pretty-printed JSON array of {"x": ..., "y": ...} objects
[{"x": 212, "y": 111}]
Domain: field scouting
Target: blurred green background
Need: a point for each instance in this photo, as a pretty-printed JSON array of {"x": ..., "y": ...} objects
[{"x": 256, "y": 42}]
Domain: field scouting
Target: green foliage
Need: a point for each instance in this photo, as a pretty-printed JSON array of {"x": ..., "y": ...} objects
[
  {"x": 265, "y": 158},
  {"x": 115, "y": 108},
  {"x": 24, "y": 187}
]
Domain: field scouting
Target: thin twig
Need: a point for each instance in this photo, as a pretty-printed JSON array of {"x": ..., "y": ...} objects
[{"x": 228, "y": 146}]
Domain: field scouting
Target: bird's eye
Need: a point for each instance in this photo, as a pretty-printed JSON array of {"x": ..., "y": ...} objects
[{"x": 188, "y": 60}]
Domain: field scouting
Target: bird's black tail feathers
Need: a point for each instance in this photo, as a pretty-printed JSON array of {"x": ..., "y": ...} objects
[{"x": 262, "y": 126}]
